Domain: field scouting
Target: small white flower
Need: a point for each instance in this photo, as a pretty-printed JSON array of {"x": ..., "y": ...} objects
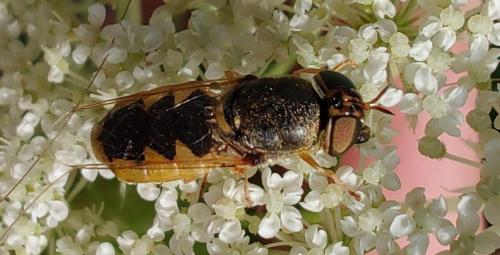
[
  {"x": 283, "y": 193},
  {"x": 269, "y": 226},
  {"x": 116, "y": 55},
  {"x": 421, "y": 50},
  {"x": 349, "y": 226},
  {"x": 425, "y": 81},
  {"x": 55, "y": 57},
  {"x": 410, "y": 104},
  {"x": 375, "y": 70},
  {"x": 399, "y": 44},
  {"x": 142, "y": 73},
  {"x": 383, "y": 8},
  {"x": 26, "y": 129},
  {"x": 152, "y": 39},
  {"x": 436, "y": 106},
  {"x": 479, "y": 46},
  {"x": 215, "y": 71},
  {"x": 337, "y": 249},
  {"x": 402, "y": 225},
  {"x": 231, "y": 232},
  {"x": 316, "y": 237},
  {"x": 322, "y": 194},
  {"x": 491, "y": 210},
  {"x": 148, "y": 191},
  {"x": 80, "y": 53},
  {"x": 452, "y": 18},
  {"x": 445, "y": 38},
  {"x": 105, "y": 249},
  {"x": 66, "y": 245},
  {"x": 58, "y": 211},
  {"x": 35, "y": 245},
  {"x": 97, "y": 14},
  {"x": 391, "y": 98},
  {"x": 431, "y": 26},
  {"x": 487, "y": 242},
  {"x": 418, "y": 244},
  {"x": 124, "y": 80},
  {"x": 370, "y": 220},
  {"x": 445, "y": 232}
]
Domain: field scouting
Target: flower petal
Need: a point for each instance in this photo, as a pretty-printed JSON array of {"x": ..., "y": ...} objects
[
  {"x": 269, "y": 225},
  {"x": 291, "y": 218},
  {"x": 402, "y": 225}
]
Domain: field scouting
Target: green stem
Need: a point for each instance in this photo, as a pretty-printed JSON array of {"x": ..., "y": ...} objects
[
  {"x": 265, "y": 68},
  {"x": 463, "y": 160},
  {"x": 130, "y": 9},
  {"x": 409, "y": 8},
  {"x": 76, "y": 189},
  {"x": 337, "y": 214},
  {"x": 284, "y": 237},
  {"x": 328, "y": 223},
  {"x": 279, "y": 68}
]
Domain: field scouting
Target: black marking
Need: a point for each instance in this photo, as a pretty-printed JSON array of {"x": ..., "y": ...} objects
[
  {"x": 126, "y": 132},
  {"x": 334, "y": 80},
  {"x": 122, "y": 134},
  {"x": 162, "y": 126},
  {"x": 191, "y": 126}
]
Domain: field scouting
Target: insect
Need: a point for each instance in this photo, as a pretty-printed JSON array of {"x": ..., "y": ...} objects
[
  {"x": 186, "y": 130},
  {"x": 183, "y": 131}
]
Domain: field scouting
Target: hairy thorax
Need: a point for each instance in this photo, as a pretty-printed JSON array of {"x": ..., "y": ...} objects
[{"x": 274, "y": 115}]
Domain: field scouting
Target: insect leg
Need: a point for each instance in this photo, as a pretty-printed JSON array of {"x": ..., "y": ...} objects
[
  {"x": 330, "y": 174},
  {"x": 347, "y": 62},
  {"x": 232, "y": 75},
  {"x": 369, "y": 106},
  {"x": 241, "y": 171},
  {"x": 307, "y": 70},
  {"x": 203, "y": 186}
]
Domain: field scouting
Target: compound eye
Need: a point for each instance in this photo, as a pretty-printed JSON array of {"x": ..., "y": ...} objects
[{"x": 336, "y": 100}]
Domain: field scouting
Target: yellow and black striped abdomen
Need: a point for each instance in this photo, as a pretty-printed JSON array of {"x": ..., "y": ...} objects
[{"x": 155, "y": 125}]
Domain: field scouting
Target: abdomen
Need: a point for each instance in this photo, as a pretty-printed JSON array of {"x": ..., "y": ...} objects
[{"x": 153, "y": 128}]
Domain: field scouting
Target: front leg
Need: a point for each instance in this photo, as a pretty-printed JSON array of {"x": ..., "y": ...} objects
[{"x": 330, "y": 174}]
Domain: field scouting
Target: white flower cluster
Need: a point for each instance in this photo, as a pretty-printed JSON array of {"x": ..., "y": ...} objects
[{"x": 49, "y": 54}]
